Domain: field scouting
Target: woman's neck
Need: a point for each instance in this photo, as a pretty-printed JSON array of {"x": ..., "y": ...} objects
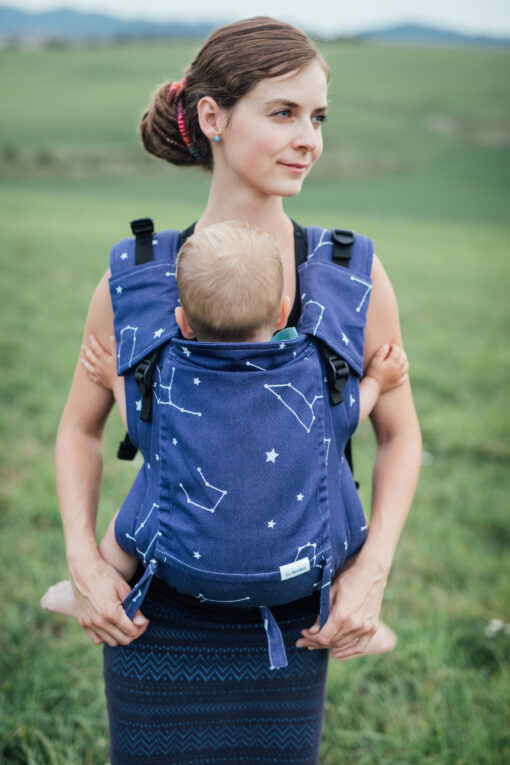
[{"x": 243, "y": 204}]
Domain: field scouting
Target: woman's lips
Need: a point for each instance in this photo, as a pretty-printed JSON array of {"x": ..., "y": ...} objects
[{"x": 295, "y": 167}]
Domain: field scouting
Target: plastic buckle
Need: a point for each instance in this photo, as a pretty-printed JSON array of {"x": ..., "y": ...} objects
[
  {"x": 142, "y": 226},
  {"x": 343, "y": 237},
  {"x": 143, "y": 375},
  {"x": 337, "y": 377}
]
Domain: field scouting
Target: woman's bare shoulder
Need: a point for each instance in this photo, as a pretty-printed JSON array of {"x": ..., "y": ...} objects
[
  {"x": 383, "y": 324},
  {"x": 100, "y": 314}
]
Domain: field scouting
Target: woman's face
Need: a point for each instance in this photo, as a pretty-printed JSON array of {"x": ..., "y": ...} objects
[{"x": 272, "y": 136}]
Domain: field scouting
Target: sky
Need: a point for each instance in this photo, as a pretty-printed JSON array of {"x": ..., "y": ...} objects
[{"x": 490, "y": 17}]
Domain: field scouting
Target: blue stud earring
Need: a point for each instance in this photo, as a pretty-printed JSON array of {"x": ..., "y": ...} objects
[{"x": 216, "y": 139}]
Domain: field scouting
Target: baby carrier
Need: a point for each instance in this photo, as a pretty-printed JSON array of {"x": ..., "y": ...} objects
[{"x": 245, "y": 497}]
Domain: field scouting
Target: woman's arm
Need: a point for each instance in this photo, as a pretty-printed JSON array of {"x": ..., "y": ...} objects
[
  {"x": 98, "y": 588},
  {"x": 356, "y": 595}
]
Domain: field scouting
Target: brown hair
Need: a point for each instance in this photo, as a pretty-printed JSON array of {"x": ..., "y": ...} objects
[
  {"x": 230, "y": 63},
  {"x": 230, "y": 282}
]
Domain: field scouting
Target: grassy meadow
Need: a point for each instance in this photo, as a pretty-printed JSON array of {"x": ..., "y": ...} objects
[{"x": 417, "y": 155}]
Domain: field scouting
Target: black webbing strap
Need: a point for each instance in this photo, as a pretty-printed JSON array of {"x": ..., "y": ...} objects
[
  {"x": 143, "y": 230},
  {"x": 127, "y": 450},
  {"x": 143, "y": 378}
]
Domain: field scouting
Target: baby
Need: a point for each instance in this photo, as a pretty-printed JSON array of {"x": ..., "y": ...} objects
[{"x": 230, "y": 283}]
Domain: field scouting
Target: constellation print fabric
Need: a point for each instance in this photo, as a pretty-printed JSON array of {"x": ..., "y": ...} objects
[{"x": 196, "y": 688}]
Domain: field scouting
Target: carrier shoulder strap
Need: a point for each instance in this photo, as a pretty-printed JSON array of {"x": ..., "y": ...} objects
[
  {"x": 337, "y": 368},
  {"x": 143, "y": 231}
]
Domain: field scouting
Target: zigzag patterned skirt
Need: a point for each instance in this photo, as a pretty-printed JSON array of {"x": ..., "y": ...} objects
[{"x": 196, "y": 688}]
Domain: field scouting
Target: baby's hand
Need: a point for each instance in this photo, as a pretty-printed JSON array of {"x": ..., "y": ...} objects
[
  {"x": 99, "y": 363},
  {"x": 389, "y": 366}
]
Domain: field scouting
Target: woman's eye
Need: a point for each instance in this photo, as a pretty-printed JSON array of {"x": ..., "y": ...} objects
[
  {"x": 282, "y": 113},
  {"x": 320, "y": 119}
]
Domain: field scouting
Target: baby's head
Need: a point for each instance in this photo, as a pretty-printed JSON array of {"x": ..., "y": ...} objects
[{"x": 230, "y": 282}]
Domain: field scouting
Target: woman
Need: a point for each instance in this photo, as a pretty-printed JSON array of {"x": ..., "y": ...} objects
[{"x": 187, "y": 683}]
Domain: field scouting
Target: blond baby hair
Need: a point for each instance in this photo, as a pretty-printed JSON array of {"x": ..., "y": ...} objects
[{"x": 230, "y": 282}]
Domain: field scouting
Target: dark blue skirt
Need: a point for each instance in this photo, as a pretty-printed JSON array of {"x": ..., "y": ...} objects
[{"x": 196, "y": 688}]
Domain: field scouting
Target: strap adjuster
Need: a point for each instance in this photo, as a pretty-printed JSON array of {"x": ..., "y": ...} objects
[
  {"x": 343, "y": 236},
  {"x": 142, "y": 226},
  {"x": 143, "y": 378},
  {"x": 337, "y": 371}
]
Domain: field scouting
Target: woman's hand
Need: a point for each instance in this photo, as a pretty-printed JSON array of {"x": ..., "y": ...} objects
[
  {"x": 356, "y": 597},
  {"x": 99, "y": 591}
]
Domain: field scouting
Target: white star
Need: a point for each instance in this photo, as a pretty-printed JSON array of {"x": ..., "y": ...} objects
[
  {"x": 124, "y": 256},
  {"x": 186, "y": 351},
  {"x": 148, "y": 466},
  {"x": 157, "y": 457},
  {"x": 139, "y": 405},
  {"x": 352, "y": 400},
  {"x": 271, "y": 456},
  {"x": 119, "y": 290},
  {"x": 159, "y": 332},
  {"x": 300, "y": 497},
  {"x": 174, "y": 441},
  {"x": 345, "y": 339},
  {"x": 271, "y": 524},
  {"x": 196, "y": 381},
  {"x": 197, "y": 555},
  {"x": 282, "y": 346},
  {"x": 154, "y": 241},
  {"x": 169, "y": 273}
]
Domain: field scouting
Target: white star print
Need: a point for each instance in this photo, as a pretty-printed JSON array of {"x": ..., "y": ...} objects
[
  {"x": 197, "y": 555},
  {"x": 124, "y": 256},
  {"x": 271, "y": 456},
  {"x": 271, "y": 524},
  {"x": 159, "y": 332},
  {"x": 174, "y": 441},
  {"x": 300, "y": 497},
  {"x": 345, "y": 339},
  {"x": 282, "y": 346},
  {"x": 119, "y": 290},
  {"x": 139, "y": 405},
  {"x": 157, "y": 457},
  {"x": 196, "y": 381},
  {"x": 186, "y": 351},
  {"x": 352, "y": 400}
]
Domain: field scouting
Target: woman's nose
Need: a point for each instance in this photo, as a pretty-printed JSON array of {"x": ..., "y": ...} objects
[{"x": 308, "y": 136}]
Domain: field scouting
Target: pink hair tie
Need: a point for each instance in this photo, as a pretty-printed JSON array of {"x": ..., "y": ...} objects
[
  {"x": 174, "y": 88},
  {"x": 183, "y": 131}
]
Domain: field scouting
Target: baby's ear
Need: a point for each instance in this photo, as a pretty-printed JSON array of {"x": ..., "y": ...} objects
[
  {"x": 182, "y": 323},
  {"x": 283, "y": 316}
]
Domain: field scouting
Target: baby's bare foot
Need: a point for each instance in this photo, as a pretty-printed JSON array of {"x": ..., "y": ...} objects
[
  {"x": 383, "y": 641},
  {"x": 60, "y": 598}
]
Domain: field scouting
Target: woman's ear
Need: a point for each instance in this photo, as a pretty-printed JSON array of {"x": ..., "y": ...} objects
[
  {"x": 211, "y": 117},
  {"x": 182, "y": 323},
  {"x": 283, "y": 316}
]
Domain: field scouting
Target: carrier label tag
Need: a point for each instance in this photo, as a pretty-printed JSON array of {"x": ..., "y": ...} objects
[{"x": 295, "y": 568}]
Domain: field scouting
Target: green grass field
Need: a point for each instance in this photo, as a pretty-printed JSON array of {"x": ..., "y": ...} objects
[{"x": 417, "y": 155}]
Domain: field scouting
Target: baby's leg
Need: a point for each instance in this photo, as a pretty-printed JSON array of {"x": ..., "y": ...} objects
[
  {"x": 383, "y": 641},
  {"x": 60, "y": 597}
]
